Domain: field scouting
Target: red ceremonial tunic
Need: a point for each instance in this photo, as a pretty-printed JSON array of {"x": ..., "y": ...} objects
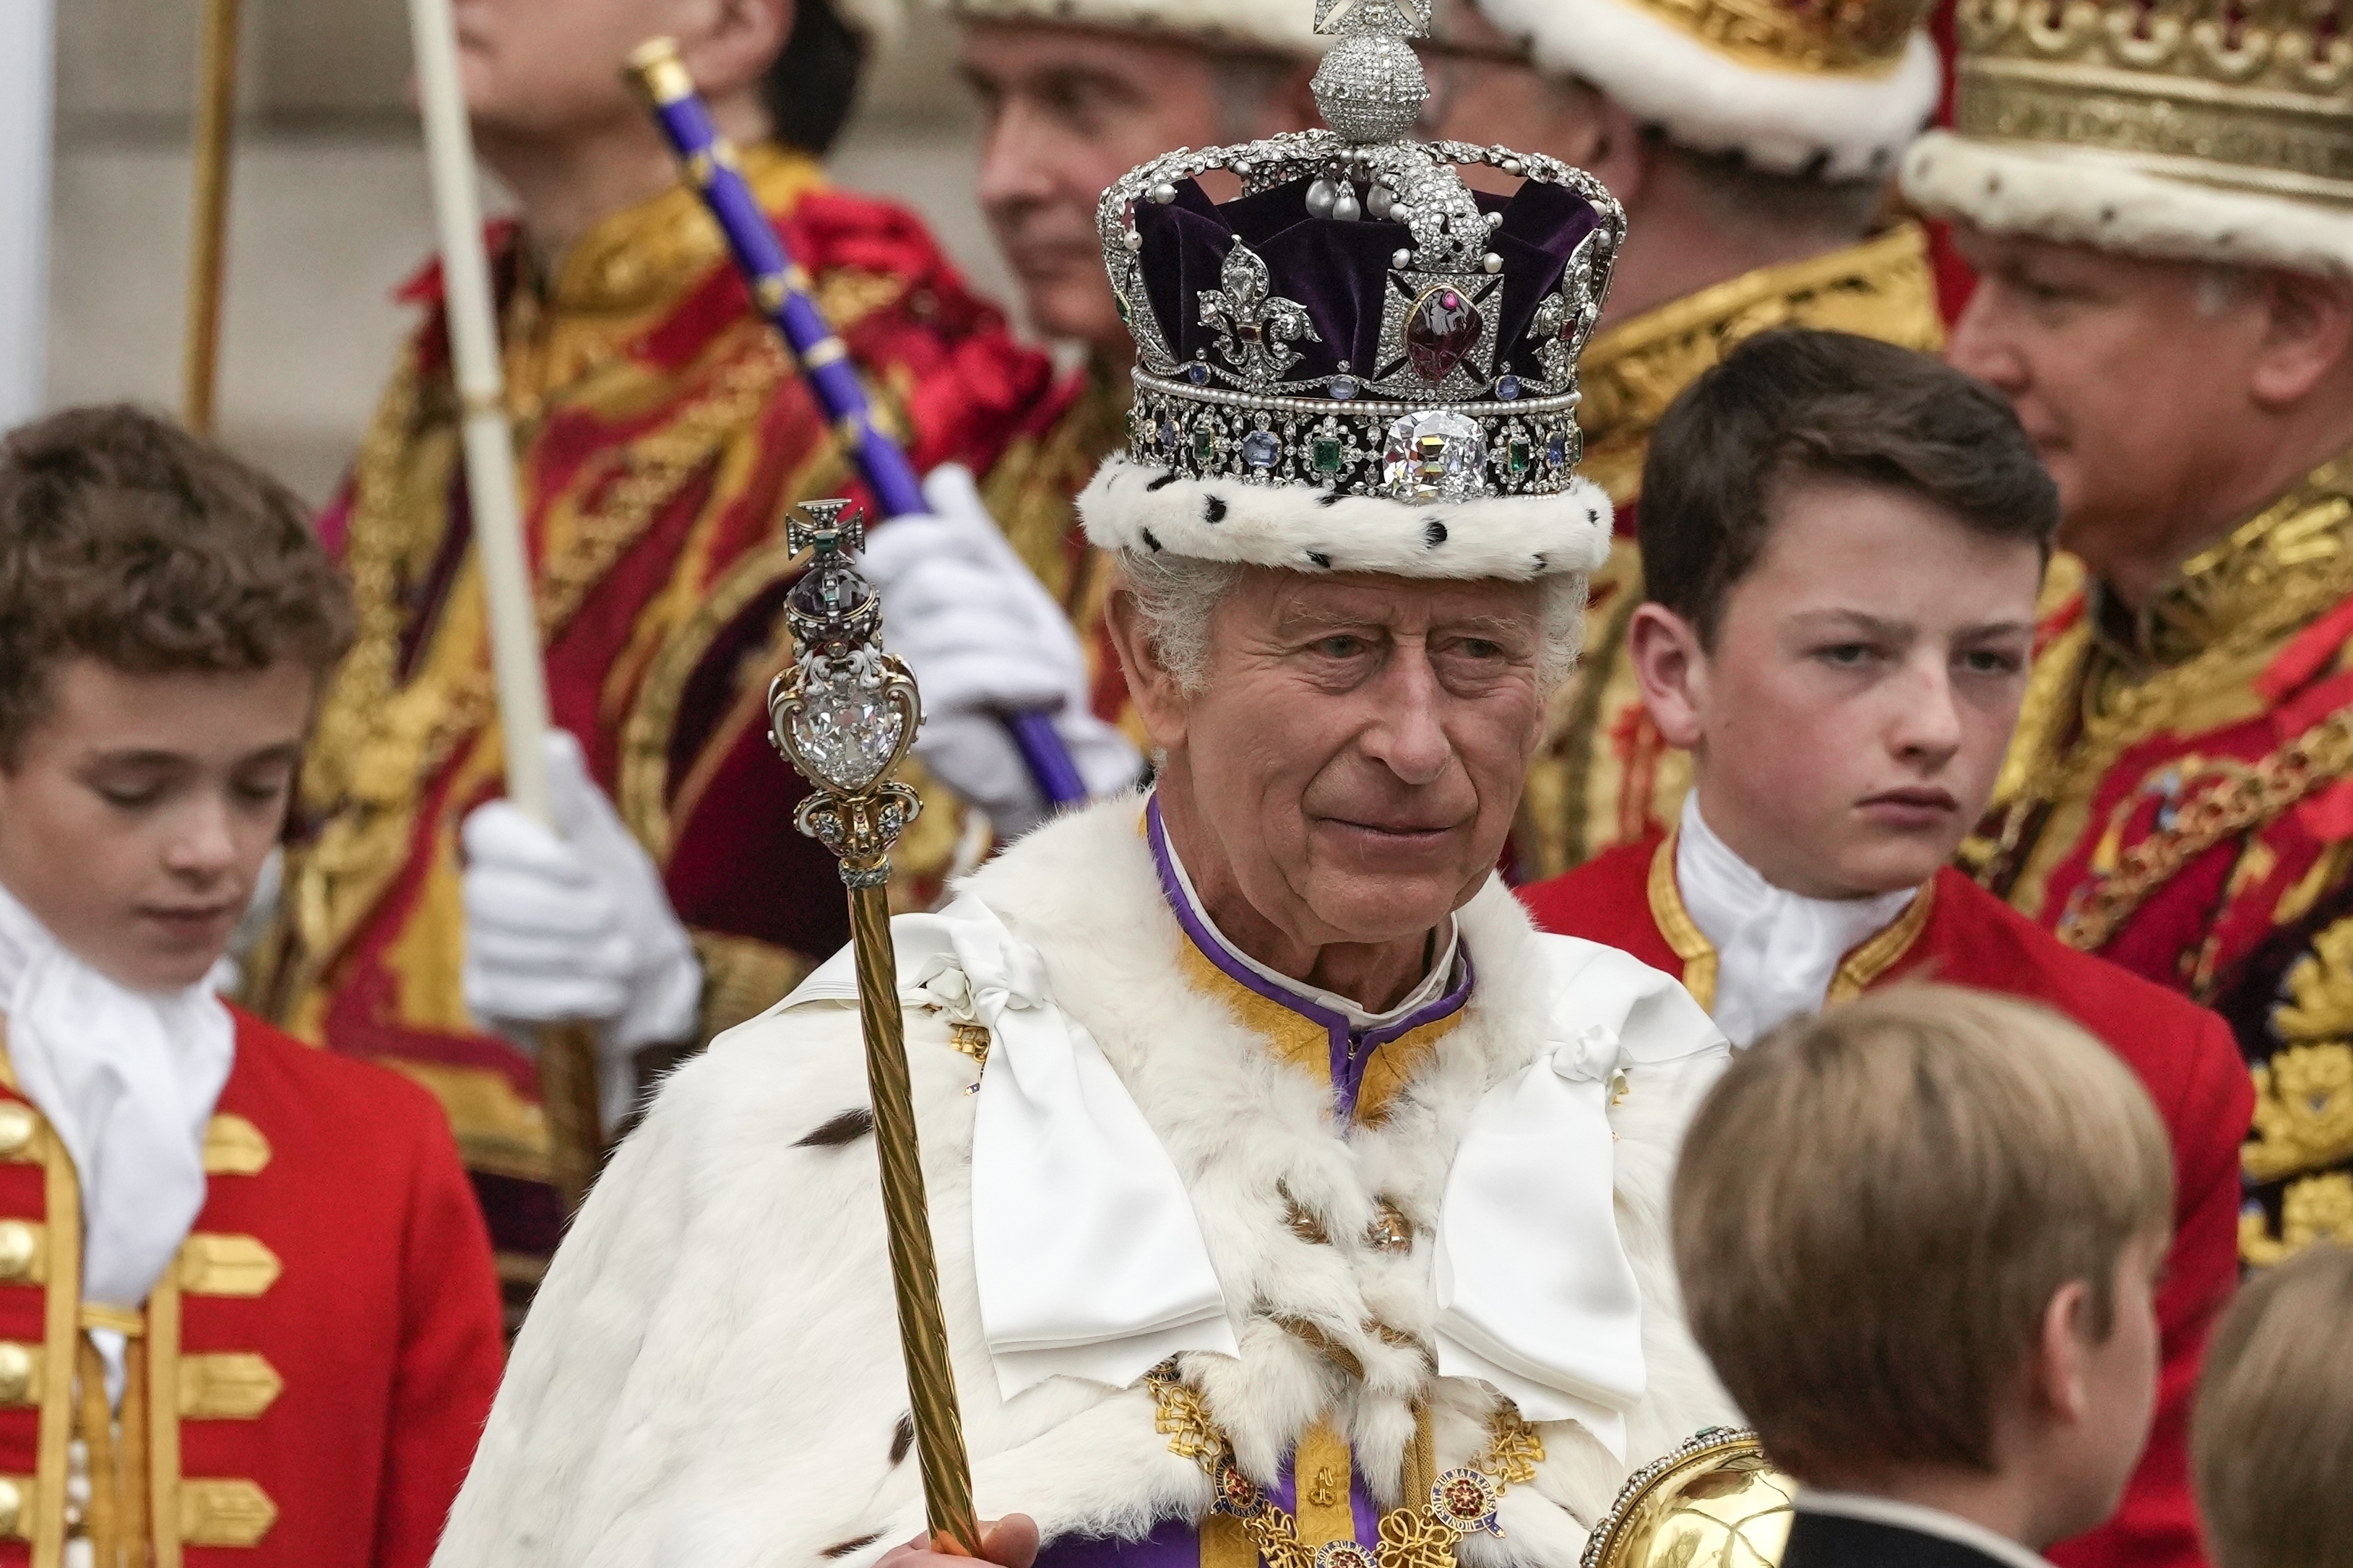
[
  {"x": 1958, "y": 933},
  {"x": 306, "y": 1383},
  {"x": 2180, "y": 801},
  {"x": 661, "y": 432}
]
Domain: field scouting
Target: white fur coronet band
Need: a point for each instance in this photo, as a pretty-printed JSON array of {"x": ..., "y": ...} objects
[
  {"x": 2081, "y": 195},
  {"x": 1783, "y": 117},
  {"x": 1136, "y": 507}
]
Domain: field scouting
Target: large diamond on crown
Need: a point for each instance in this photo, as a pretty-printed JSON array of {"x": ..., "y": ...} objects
[{"x": 1437, "y": 455}]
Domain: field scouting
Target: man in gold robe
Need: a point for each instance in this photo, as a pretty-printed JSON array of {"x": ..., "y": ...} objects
[
  {"x": 1075, "y": 96},
  {"x": 2155, "y": 202},
  {"x": 662, "y": 431},
  {"x": 1753, "y": 147}
]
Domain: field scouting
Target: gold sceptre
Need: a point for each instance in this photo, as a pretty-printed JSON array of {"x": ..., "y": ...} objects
[{"x": 843, "y": 714}]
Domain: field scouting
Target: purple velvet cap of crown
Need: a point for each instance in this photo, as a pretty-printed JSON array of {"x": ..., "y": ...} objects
[{"x": 1341, "y": 271}]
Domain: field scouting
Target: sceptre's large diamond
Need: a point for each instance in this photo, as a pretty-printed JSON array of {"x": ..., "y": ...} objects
[
  {"x": 1440, "y": 330},
  {"x": 844, "y": 731},
  {"x": 1437, "y": 456}
]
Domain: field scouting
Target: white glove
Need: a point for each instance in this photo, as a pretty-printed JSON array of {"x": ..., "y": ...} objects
[
  {"x": 985, "y": 639},
  {"x": 576, "y": 927}
]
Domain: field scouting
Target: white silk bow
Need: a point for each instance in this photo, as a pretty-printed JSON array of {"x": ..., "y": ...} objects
[{"x": 1090, "y": 1260}]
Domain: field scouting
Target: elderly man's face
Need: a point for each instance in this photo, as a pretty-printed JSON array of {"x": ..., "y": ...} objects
[
  {"x": 1359, "y": 750},
  {"x": 1069, "y": 111},
  {"x": 2096, "y": 351}
]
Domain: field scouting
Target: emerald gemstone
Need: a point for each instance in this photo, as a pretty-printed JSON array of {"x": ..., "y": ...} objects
[
  {"x": 1519, "y": 456},
  {"x": 1205, "y": 443},
  {"x": 1324, "y": 451}
]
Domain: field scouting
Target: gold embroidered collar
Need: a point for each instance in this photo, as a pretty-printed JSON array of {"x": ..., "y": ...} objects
[
  {"x": 1869, "y": 959},
  {"x": 2274, "y": 571},
  {"x": 619, "y": 279},
  {"x": 1881, "y": 288}
]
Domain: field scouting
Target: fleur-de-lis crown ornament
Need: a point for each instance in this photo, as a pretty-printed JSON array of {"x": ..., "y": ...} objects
[
  {"x": 845, "y": 712},
  {"x": 1377, "y": 327}
]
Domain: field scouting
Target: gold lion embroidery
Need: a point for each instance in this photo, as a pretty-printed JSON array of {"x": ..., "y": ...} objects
[
  {"x": 2315, "y": 1209},
  {"x": 2303, "y": 1111}
]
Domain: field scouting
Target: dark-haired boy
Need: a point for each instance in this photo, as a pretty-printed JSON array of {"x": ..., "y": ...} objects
[
  {"x": 246, "y": 1297},
  {"x": 1843, "y": 543}
]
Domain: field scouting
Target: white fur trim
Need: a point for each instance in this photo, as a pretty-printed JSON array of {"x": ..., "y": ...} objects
[
  {"x": 2080, "y": 195},
  {"x": 1780, "y": 119},
  {"x": 1284, "y": 26},
  {"x": 1136, "y": 507},
  {"x": 710, "y": 1373}
]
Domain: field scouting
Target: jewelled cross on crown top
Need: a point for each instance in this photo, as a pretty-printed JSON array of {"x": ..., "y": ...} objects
[{"x": 821, "y": 527}]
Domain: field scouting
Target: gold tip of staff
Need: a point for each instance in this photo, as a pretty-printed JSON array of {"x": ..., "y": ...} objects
[{"x": 657, "y": 71}]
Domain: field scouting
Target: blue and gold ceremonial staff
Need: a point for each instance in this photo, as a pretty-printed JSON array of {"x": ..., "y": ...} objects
[
  {"x": 843, "y": 714},
  {"x": 781, "y": 290}
]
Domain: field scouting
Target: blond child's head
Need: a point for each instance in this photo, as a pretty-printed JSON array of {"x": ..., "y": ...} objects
[
  {"x": 2271, "y": 1442},
  {"x": 1918, "y": 1235},
  {"x": 166, "y": 618}
]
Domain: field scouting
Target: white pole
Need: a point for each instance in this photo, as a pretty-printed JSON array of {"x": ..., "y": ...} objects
[
  {"x": 26, "y": 95},
  {"x": 490, "y": 484},
  {"x": 567, "y": 1053}
]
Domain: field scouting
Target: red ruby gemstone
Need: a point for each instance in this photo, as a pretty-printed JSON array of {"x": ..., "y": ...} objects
[{"x": 1440, "y": 330}]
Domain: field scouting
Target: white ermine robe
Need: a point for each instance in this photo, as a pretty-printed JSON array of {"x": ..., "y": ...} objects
[{"x": 711, "y": 1377}]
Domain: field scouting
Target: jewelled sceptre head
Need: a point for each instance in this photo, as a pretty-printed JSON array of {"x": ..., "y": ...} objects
[{"x": 843, "y": 713}]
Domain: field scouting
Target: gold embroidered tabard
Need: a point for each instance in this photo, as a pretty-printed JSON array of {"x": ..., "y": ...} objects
[
  {"x": 1033, "y": 495},
  {"x": 2184, "y": 663},
  {"x": 2153, "y": 740},
  {"x": 1602, "y": 776}
]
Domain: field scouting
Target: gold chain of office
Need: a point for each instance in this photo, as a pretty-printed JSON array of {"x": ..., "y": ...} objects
[{"x": 2222, "y": 810}]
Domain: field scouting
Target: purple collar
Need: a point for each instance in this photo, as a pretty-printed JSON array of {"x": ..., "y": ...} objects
[{"x": 1351, "y": 1047}]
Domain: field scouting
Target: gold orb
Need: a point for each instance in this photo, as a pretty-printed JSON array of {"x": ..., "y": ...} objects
[{"x": 1714, "y": 1502}]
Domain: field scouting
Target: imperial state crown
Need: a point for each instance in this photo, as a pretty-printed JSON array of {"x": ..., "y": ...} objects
[
  {"x": 2205, "y": 130},
  {"x": 1359, "y": 362}
]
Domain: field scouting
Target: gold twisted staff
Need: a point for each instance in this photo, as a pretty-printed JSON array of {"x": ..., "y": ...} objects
[
  {"x": 843, "y": 715},
  {"x": 208, "y": 226}
]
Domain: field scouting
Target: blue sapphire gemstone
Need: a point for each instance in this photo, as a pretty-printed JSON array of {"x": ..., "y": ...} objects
[
  {"x": 1169, "y": 435},
  {"x": 1556, "y": 451},
  {"x": 1260, "y": 448},
  {"x": 1344, "y": 387},
  {"x": 1507, "y": 387},
  {"x": 1198, "y": 373}
]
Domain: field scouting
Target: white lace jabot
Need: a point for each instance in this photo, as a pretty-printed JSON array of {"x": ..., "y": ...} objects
[
  {"x": 1776, "y": 952},
  {"x": 128, "y": 1079}
]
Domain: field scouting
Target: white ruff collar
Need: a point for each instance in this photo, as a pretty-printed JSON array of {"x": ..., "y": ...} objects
[
  {"x": 128, "y": 1079},
  {"x": 1090, "y": 1260},
  {"x": 1776, "y": 952}
]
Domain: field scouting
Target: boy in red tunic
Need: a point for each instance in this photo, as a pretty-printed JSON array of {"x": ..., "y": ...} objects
[
  {"x": 248, "y": 1312},
  {"x": 1844, "y": 542}
]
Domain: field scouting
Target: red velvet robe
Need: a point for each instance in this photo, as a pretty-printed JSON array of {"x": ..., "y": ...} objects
[
  {"x": 308, "y": 1381},
  {"x": 1958, "y": 933}
]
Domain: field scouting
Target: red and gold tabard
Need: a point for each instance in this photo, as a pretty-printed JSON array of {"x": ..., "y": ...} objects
[
  {"x": 663, "y": 431},
  {"x": 2180, "y": 799},
  {"x": 1033, "y": 495},
  {"x": 306, "y": 1383},
  {"x": 1603, "y": 776},
  {"x": 1956, "y": 933}
]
